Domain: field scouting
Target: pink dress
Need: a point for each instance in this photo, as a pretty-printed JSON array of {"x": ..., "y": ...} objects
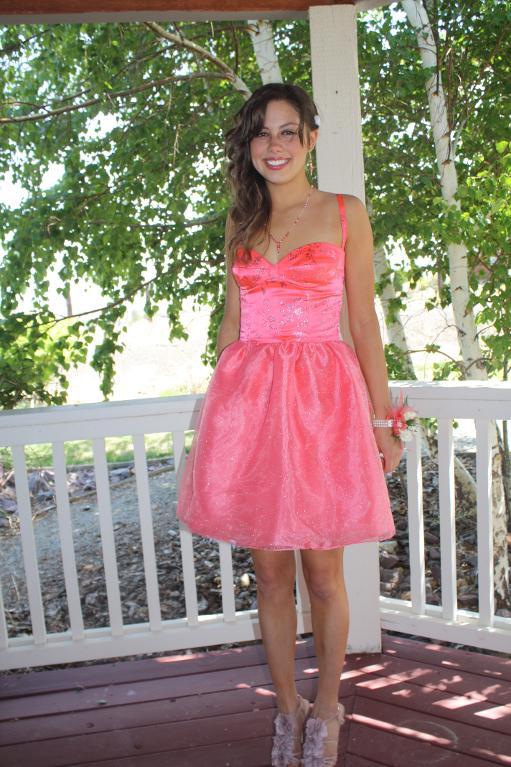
[{"x": 284, "y": 455}]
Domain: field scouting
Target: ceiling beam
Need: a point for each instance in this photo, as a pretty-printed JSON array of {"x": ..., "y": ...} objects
[{"x": 102, "y": 11}]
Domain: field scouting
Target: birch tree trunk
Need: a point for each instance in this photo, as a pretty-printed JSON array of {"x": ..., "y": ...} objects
[
  {"x": 261, "y": 34},
  {"x": 458, "y": 271},
  {"x": 397, "y": 336},
  {"x": 394, "y": 325}
]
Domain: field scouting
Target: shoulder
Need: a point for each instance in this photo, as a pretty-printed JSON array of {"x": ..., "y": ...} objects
[
  {"x": 353, "y": 205},
  {"x": 327, "y": 204},
  {"x": 357, "y": 217}
]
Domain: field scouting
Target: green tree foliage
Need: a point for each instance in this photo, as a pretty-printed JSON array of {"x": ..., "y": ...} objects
[
  {"x": 137, "y": 120},
  {"x": 474, "y": 63},
  {"x": 130, "y": 195}
]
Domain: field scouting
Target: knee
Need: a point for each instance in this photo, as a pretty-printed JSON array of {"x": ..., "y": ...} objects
[
  {"x": 324, "y": 586},
  {"x": 275, "y": 573},
  {"x": 275, "y": 583}
]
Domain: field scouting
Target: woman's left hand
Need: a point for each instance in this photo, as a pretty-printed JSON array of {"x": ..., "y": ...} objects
[{"x": 392, "y": 447}]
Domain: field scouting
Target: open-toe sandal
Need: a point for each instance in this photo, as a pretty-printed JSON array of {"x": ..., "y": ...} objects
[
  {"x": 320, "y": 748},
  {"x": 287, "y": 743}
]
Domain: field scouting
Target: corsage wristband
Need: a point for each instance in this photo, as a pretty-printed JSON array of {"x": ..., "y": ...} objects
[{"x": 398, "y": 417}]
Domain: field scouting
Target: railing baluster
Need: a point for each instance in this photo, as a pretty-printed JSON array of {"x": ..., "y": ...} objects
[
  {"x": 189, "y": 585},
  {"x": 28, "y": 545},
  {"x": 66, "y": 541},
  {"x": 185, "y": 537},
  {"x": 447, "y": 510},
  {"x": 4, "y": 636},
  {"x": 146, "y": 531},
  {"x": 303, "y": 604},
  {"x": 107, "y": 537},
  {"x": 416, "y": 524},
  {"x": 227, "y": 580},
  {"x": 178, "y": 449},
  {"x": 485, "y": 582}
]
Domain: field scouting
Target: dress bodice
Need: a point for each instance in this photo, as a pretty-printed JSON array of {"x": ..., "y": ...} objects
[{"x": 299, "y": 298}]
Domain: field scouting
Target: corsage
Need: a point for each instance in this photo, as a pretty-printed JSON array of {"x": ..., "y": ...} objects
[{"x": 401, "y": 417}]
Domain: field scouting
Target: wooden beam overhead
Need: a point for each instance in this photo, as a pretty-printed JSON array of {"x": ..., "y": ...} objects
[
  {"x": 60, "y": 11},
  {"x": 79, "y": 6}
]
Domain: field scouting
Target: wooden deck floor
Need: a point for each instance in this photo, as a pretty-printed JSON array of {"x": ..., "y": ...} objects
[{"x": 416, "y": 703}]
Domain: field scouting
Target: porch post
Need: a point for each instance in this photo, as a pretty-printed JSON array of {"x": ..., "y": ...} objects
[{"x": 336, "y": 91}]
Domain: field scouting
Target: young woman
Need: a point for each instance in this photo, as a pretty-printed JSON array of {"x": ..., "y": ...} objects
[{"x": 292, "y": 439}]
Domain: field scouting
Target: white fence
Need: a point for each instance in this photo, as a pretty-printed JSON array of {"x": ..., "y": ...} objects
[
  {"x": 481, "y": 401},
  {"x": 445, "y": 401}
]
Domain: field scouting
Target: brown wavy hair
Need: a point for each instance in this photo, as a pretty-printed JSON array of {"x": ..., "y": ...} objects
[{"x": 251, "y": 207}]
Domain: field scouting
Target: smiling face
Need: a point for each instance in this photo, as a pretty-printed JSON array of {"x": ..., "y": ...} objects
[{"x": 276, "y": 151}]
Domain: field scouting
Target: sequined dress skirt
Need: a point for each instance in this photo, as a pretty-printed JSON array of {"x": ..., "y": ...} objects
[{"x": 284, "y": 455}]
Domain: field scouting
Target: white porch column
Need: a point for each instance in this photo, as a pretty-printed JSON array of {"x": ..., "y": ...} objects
[{"x": 341, "y": 169}]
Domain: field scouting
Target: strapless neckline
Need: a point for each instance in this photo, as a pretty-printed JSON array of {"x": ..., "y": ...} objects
[{"x": 295, "y": 250}]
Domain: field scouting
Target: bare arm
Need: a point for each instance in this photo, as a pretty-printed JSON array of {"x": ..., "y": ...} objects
[
  {"x": 229, "y": 329},
  {"x": 363, "y": 320}
]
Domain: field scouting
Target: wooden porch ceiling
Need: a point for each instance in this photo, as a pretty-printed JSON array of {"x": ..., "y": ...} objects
[
  {"x": 47, "y": 11},
  {"x": 80, "y": 6}
]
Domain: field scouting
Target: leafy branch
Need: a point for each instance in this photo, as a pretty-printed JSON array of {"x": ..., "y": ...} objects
[{"x": 110, "y": 96}]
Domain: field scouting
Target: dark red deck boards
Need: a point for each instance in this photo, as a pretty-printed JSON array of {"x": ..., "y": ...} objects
[{"x": 416, "y": 703}]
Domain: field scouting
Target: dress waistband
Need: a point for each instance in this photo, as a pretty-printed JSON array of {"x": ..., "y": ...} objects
[{"x": 290, "y": 339}]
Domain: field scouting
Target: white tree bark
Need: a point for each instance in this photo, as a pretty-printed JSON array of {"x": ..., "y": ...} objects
[
  {"x": 261, "y": 34},
  {"x": 458, "y": 269},
  {"x": 397, "y": 336},
  {"x": 446, "y": 162},
  {"x": 395, "y": 327}
]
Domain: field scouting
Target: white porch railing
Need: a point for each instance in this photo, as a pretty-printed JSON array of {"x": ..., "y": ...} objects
[{"x": 481, "y": 401}]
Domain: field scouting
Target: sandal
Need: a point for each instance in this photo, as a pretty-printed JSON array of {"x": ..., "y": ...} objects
[
  {"x": 287, "y": 743},
  {"x": 321, "y": 743}
]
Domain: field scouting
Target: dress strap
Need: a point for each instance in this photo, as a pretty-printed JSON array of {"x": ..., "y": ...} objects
[{"x": 342, "y": 209}]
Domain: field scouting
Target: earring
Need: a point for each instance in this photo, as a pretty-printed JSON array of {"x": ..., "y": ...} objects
[{"x": 311, "y": 164}]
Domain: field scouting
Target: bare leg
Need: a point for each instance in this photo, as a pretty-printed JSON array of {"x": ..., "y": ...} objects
[
  {"x": 324, "y": 575},
  {"x": 275, "y": 574}
]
